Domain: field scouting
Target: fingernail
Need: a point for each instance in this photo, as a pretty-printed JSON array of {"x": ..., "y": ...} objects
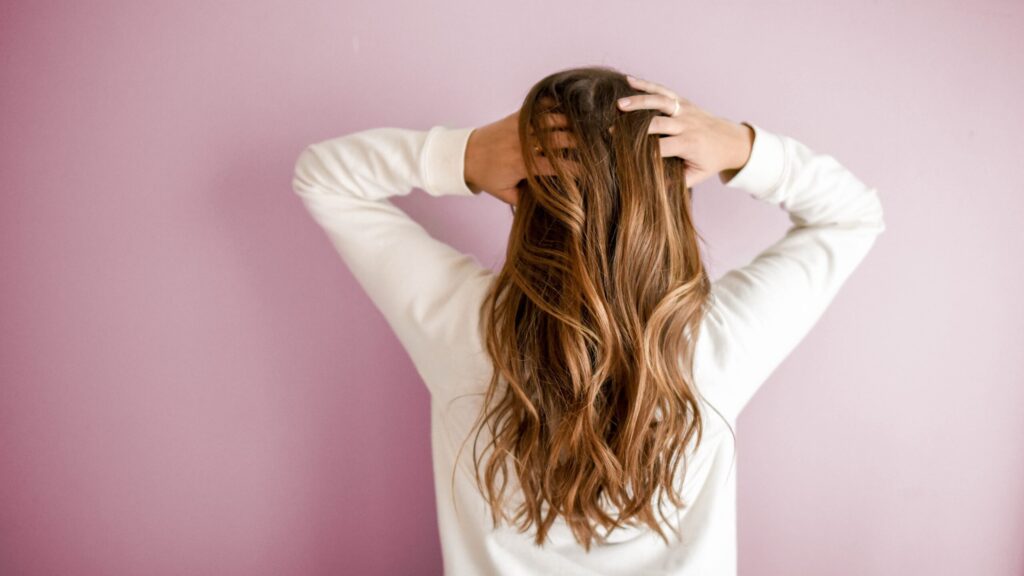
[
  {"x": 624, "y": 102},
  {"x": 628, "y": 77}
]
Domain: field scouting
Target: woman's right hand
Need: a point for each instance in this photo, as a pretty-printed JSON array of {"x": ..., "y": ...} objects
[{"x": 708, "y": 144}]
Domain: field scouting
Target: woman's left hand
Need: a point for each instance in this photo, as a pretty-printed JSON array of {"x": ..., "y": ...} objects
[{"x": 494, "y": 161}]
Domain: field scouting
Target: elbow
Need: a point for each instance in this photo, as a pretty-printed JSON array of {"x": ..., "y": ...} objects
[
  {"x": 864, "y": 216},
  {"x": 304, "y": 173},
  {"x": 866, "y": 212}
]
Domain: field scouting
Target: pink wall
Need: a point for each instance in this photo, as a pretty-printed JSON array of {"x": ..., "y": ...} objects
[{"x": 192, "y": 383}]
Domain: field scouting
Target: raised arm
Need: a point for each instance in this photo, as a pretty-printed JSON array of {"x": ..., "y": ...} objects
[
  {"x": 762, "y": 310},
  {"x": 420, "y": 284}
]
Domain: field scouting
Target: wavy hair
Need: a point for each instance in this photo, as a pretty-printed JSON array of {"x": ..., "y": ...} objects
[{"x": 592, "y": 321}]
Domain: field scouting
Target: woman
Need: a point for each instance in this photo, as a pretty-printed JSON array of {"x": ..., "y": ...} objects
[{"x": 596, "y": 375}]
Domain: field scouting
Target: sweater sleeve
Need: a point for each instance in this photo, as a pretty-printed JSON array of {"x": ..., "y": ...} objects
[
  {"x": 761, "y": 311},
  {"x": 419, "y": 284}
]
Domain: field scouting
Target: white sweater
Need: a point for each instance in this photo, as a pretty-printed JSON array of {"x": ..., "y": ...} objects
[{"x": 429, "y": 294}]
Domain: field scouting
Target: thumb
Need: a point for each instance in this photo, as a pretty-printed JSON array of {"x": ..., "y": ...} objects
[
  {"x": 694, "y": 175},
  {"x": 507, "y": 195}
]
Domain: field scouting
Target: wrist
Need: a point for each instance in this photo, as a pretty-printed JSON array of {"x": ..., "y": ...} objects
[
  {"x": 743, "y": 144},
  {"x": 470, "y": 163}
]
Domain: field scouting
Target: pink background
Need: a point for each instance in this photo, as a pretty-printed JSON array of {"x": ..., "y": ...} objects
[{"x": 192, "y": 382}]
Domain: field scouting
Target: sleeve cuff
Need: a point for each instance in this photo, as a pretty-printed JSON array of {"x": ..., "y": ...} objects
[
  {"x": 762, "y": 174},
  {"x": 444, "y": 161}
]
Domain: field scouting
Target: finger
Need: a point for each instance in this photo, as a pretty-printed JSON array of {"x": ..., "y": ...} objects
[
  {"x": 545, "y": 168},
  {"x": 563, "y": 139},
  {"x": 674, "y": 146},
  {"x": 556, "y": 140},
  {"x": 553, "y": 120},
  {"x": 668, "y": 125},
  {"x": 547, "y": 103},
  {"x": 660, "y": 102},
  {"x": 549, "y": 122},
  {"x": 648, "y": 86}
]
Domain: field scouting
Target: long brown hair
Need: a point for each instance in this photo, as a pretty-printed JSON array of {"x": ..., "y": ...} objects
[{"x": 592, "y": 321}]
